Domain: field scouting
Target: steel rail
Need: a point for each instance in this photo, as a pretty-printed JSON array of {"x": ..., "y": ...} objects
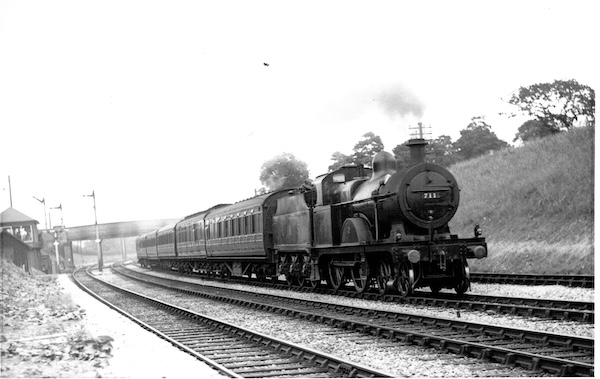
[
  {"x": 291, "y": 360},
  {"x": 585, "y": 281},
  {"x": 566, "y": 310},
  {"x": 530, "y": 349}
]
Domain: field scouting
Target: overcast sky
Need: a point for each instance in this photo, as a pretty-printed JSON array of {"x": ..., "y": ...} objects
[{"x": 165, "y": 108}]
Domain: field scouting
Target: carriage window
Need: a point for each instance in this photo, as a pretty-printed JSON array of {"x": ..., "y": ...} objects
[
  {"x": 256, "y": 223},
  {"x": 248, "y": 223},
  {"x": 259, "y": 226},
  {"x": 197, "y": 232}
]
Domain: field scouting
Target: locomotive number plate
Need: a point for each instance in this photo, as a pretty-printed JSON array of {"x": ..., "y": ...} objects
[{"x": 431, "y": 195}]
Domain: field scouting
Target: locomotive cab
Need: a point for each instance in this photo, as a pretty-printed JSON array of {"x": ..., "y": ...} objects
[{"x": 334, "y": 195}]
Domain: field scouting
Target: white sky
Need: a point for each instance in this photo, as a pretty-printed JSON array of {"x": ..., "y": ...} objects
[{"x": 165, "y": 108}]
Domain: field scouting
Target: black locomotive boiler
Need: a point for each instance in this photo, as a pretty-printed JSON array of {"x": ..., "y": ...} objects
[{"x": 376, "y": 227}]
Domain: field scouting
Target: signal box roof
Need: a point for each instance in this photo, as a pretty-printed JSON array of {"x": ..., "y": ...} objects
[{"x": 11, "y": 216}]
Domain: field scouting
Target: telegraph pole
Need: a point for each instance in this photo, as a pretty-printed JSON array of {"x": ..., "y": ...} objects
[
  {"x": 98, "y": 240},
  {"x": 9, "y": 191}
]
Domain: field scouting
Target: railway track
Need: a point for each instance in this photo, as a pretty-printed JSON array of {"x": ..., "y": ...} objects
[
  {"x": 552, "y": 309},
  {"x": 533, "y": 350},
  {"x": 234, "y": 352},
  {"x": 585, "y": 281},
  {"x": 565, "y": 310}
]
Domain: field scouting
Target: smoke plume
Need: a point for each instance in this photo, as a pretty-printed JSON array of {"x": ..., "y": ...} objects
[{"x": 398, "y": 100}]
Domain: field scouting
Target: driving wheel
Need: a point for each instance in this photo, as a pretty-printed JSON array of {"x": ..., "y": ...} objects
[
  {"x": 336, "y": 276},
  {"x": 360, "y": 277}
]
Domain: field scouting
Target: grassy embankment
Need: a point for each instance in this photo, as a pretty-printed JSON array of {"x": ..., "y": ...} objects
[{"x": 535, "y": 205}]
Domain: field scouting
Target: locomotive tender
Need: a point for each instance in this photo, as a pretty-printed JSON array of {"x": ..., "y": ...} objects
[{"x": 379, "y": 227}]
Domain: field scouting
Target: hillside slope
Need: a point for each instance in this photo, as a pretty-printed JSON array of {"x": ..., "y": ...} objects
[{"x": 535, "y": 204}]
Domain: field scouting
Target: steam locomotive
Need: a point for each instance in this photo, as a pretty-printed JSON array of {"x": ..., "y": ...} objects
[{"x": 379, "y": 228}]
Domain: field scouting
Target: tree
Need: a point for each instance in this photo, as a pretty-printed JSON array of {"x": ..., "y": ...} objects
[
  {"x": 339, "y": 160},
  {"x": 440, "y": 151},
  {"x": 402, "y": 154},
  {"x": 533, "y": 129},
  {"x": 443, "y": 151},
  {"x": 283, "y": 171},
  {"x": 558, "y": 105},
  {"x": 477, "y": 139},
  {"x": 363, "y": 152}
]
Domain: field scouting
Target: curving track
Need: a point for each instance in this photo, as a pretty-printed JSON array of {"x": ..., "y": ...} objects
[
  {"x": 233, "y": 351},
  {"x": 534, "y": 350}
]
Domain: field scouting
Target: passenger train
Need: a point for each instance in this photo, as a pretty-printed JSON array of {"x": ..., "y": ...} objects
[{"x": 377, "y": 228}]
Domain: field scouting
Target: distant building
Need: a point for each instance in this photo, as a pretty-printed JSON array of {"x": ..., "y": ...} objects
[{"x": 19, "y": 241}]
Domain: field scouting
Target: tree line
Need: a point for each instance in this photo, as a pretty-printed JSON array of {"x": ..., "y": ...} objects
[{"x": 551, "y": 108}]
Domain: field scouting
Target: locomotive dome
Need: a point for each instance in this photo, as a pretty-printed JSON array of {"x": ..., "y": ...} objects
[
  {"x": 384, "y": 163},
  {"x": 384, "y": 166}
]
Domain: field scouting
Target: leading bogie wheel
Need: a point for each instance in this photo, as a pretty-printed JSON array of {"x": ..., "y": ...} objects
[
  {"x": 462, "y": 286},
  {"x": 406, "y": 280},
  {"x": 464, "y": 281}
]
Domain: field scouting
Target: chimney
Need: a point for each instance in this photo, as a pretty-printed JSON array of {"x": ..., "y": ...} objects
[
  {"x": 417, "y": 150},
  {"x": 417, "y": 147}
]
